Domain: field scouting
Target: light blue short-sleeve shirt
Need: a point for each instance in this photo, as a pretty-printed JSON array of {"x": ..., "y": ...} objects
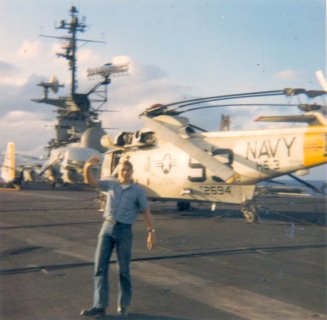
[{"x": 123, "y": 204}]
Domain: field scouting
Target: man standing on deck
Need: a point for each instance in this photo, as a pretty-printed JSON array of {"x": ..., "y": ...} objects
[{"x": 125, "y": 200}]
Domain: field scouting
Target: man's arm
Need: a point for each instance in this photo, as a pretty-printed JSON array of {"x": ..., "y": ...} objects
[
  {"x": 149, "y": 226},
  {"x": 89, "y": 178}
]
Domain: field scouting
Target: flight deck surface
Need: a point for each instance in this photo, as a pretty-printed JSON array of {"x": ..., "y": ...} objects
[{"x": 206, "y": 264}]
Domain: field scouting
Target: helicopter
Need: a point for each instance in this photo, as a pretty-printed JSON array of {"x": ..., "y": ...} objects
[{"x": 174, "y": 159}]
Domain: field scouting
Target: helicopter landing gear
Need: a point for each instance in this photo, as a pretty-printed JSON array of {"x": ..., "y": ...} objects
[{"x": 249, "y": 211}]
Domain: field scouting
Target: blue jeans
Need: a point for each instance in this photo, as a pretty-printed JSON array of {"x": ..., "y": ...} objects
[{"x": 111, "y": 236}]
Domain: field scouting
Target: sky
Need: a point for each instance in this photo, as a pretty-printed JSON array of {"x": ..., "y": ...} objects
[{"x": 176, "y": 49}]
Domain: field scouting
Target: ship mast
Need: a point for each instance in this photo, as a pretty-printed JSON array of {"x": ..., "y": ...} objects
[
  {"x": 74, "y": 112},
  {"x": 71, "y": 49}
]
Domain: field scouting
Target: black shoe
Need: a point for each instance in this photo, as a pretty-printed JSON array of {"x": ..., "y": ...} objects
[
  {"x": 94, "y": 312},
  {"x": 122, "y": 311}
]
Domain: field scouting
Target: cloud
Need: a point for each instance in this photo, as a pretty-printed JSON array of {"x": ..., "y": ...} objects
[
  {"x": 121, "y": 59},
  {"x": 130, "y": 95},
  {"x": 30, "y": 125},
  {"x": 16, "y": 94},
  {"x": 56, "y": 48},
  {"x": 12, "y": 81},
  {"x": 287, "y": 75},
  {"x": 87, "y": 56},
  {"x": 29, "y": 49},
  {"x": 9, "y": 75},
  {"x": 7, "y": 68},
  {"x": 23, "y": 121},
  {"x": 26, "y": 122},
  {"x": 27, "y": 129}
]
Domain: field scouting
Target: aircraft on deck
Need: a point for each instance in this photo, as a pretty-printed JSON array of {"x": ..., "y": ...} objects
[
  {"x": 176, "y": 160},
  {"x": 18, "y": 169},
  {"x": 65, "y": 166},
  {"x": 77, "y": 129}
]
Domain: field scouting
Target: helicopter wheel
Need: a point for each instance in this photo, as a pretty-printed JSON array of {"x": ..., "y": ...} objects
[{"x": 249, "y": 211}]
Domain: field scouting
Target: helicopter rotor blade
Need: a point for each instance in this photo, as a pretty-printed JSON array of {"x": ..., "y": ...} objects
[{"x": 170, "y": 128}]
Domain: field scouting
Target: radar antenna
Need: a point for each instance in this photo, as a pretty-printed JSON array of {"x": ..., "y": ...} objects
[{"x": 104, "y": 72}]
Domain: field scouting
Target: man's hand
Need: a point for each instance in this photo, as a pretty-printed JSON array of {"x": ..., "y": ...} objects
[
  {"x": 87, "y": 170},
  {"x": 149, "y": 226},
  {"x": 94, "y": 160},
  {"x": 150, "y": 241}
]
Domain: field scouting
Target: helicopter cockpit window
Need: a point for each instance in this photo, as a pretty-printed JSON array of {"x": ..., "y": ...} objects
[
  {"x": 110, "y": 163},
  {"x": 116, "y": 155}
]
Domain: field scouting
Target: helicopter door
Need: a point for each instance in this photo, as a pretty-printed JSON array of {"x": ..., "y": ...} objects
[{"x": 110, "y": 163}]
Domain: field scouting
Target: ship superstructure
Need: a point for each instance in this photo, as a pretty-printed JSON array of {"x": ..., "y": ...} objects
[{"x": 75, "y": 112}]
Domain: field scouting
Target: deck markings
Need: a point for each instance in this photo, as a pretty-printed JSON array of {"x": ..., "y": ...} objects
[{"x": 237, "y": 301}]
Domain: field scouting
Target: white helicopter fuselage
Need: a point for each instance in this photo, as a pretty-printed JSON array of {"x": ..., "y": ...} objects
[{"x": 168, "y": 172}]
